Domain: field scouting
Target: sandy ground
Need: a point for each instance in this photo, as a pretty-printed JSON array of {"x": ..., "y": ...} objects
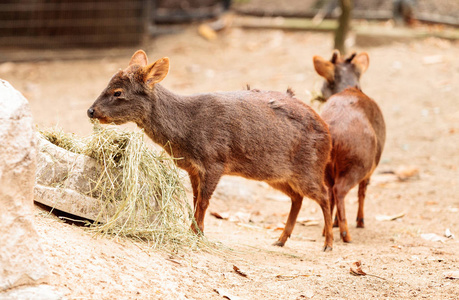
[{"x": 416, "y": 84}]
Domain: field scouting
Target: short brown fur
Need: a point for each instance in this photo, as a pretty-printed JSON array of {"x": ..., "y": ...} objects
[
  {"x": 358, "y": 132},
  {"x": 260, "y": 135}
]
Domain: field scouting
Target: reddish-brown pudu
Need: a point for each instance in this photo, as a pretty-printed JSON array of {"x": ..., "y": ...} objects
[
  {"x": 357, "y": 128},
  {"x": 260, "y": 135}
]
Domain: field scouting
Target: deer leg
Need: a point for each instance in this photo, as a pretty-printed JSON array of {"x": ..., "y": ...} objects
[
  {"x": 207, "y": 183},
  {"x": 340, "y": 191},
  {"x": 297, "y": 200},
  {"x": 335, "y": 222},
  {"x": 332, "y": 206},
  {"x": 331, "y": 200},
  {"x": 362, "y": 189},
  {"x": 323, "y": 200},
  {"x": 195, "y": 182}
]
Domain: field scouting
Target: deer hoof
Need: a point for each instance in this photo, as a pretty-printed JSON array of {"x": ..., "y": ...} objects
[
  {"x": 327, "y": 248},
  {"x": 279, "y": 244},
  {"x": 346, "y": 237}
]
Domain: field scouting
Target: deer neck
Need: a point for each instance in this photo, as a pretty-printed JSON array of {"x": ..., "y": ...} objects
[
  {"x": 345, "y": 77},
  {"x": 168, "y": 117}
]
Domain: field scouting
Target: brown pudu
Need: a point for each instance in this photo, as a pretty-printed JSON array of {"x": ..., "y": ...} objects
[
  {"x": 358, "y": 132},
  {"x": 260, "y": 135}
]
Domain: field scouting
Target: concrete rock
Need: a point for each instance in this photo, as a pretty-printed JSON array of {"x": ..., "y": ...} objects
[
  {"x": 22, "y": 260},
  {"x": 66, "y": 181},
  {"x": 40, "y": 292},
  {"x": 59, "y": 167}
]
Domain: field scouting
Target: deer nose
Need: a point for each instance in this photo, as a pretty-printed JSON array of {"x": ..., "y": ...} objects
[{"x": 91, "y": 113}]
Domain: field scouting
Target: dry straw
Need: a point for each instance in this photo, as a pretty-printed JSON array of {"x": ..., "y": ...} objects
[{"x": 144, "y": 187}]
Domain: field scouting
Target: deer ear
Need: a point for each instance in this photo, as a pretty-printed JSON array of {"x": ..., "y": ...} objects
[
  {"x": 156, "y": 71},
  {"x": 324, "y": 68},
  {"x": 139, "y": 58},
  {"x": 361, "y": 62},
  {"x": 336, "y": 55}
]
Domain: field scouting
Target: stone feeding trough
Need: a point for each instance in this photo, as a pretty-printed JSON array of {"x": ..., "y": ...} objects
[
  {"x": 114, "y": 181},
  {"x": 65, "y": 181}
]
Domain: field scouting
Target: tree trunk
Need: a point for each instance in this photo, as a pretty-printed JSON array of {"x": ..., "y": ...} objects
[{"x": 344, "y": 23}]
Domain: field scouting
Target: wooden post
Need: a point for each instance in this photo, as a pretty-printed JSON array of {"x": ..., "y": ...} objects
[{"x": 344, "y": 23}]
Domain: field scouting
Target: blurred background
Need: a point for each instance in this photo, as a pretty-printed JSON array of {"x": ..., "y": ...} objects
[
  {"x": 30, "y": 27},
  {"x": 61, "y": 53}
]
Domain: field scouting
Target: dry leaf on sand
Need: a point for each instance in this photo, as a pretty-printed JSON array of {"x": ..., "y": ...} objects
[
  {"x": 226, "y": 295},
  {"x": 433, "y": 237},
  {"x": 407, "y": 172},
  {"x": 291, "y": 277},
  {"x": 221, "y": 216},
  {"x": 451, "y": 274},
  {"x": 239, "y": 271},
  {"x": 307, "y": 221},
  {"x": 207, "y": 32},
  {"x": 448, "y": 234},
  {"x": 356, "y": 269},
  {"x": 389, "y": 218},
  {"x": 275, "y": 227}
]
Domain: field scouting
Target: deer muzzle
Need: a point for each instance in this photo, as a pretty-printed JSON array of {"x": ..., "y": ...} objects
[{"x": 91, "y": 113}]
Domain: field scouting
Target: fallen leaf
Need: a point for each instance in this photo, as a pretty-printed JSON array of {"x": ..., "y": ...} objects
[
  {"x": 239, "y": 272},
  {"x": 306, "y": 295},
  {"x": 406, "y": 172},
  {"x": 226, "y": 295},
  {"x": 275, "y": 227},
  {"x": 356, "y": 269},
  {"x": 307, "y": 221},
  {"x": 222, "y": 216},
  {"x": 432, "y": 59},
  {"x": 389, "y": 218},
  {"x": 207, "y": 32},
  {"x": 433, "y": 237},
  {"x": 448, "y": 234},
  {"x": 174, "y": 261},
  {"x": 240, "y": 217},
  {"x": 451, "y": 274},
  {"x": 291, "y": 277},
  {"x": 434, "y": 258}
]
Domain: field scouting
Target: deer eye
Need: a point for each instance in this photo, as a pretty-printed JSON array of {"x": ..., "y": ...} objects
[{"x": 117, "y": 94}]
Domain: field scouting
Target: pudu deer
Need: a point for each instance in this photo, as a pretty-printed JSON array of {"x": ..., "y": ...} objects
[
  {"x": 261, "y": 135},
  {"x": 357, "y": 129}
]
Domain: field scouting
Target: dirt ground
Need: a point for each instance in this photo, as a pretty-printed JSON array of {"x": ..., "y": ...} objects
[{"x": 416, "y": 84}]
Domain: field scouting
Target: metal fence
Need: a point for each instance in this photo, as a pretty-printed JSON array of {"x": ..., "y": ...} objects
[
  {"x": 70, "y": 23},
  {"x": 48, "y": 29},
  {"x": 30, "y": 29}
]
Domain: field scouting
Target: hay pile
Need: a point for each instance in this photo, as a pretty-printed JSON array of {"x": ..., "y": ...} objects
[
  {"x": 317, "y": 96},
  {"x": 144, "y": 186}
]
